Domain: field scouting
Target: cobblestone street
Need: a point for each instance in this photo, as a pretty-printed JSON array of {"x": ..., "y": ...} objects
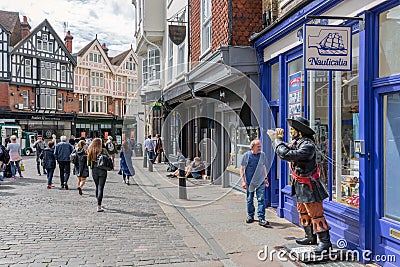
[{"x": 41, "y": 227}]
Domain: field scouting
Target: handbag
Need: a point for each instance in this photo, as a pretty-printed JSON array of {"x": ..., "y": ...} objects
[
  {"x": 104, "y": 162},
  {"x": 22, "y": 166}
]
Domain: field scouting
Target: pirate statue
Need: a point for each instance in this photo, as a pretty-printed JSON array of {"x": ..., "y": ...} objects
[{"x": 301, "y": 155}]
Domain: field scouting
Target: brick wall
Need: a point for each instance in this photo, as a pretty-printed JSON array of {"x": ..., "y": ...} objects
[
  {"x": 4, "y": 99},
  {"x": 247, "y": 19}
]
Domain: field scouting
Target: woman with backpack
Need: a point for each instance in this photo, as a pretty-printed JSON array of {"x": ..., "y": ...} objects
[
  {"x": 99, "y": 175},
  {"x": 49, "y": 162},
  {"x": 126, "y": 166},
  {"x": 111, "y": 148},
  {"x": 15, "y": 156},
  {"x": 81, "y": 169}
]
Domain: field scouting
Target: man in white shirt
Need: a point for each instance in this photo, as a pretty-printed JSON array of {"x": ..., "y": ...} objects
[{"x": 149, "y": 146}]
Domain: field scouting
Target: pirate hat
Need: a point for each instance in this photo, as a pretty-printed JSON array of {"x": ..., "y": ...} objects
[{"x": 301, "y": 124}]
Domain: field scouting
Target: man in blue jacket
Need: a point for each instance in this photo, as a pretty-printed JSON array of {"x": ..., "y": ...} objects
[{"x": 62, "y": 153}]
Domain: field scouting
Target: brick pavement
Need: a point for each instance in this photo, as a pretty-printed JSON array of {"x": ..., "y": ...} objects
[{"x": 41, "y": 227}]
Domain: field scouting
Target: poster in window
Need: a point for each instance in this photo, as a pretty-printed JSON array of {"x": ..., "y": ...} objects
[{"x": 295, "y": 95}]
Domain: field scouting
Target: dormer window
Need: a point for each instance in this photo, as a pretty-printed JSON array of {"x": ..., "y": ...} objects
[
  {"x": 93, "y": 57},
  {"x": 130, "y": 64},
  {"x": 44, "y": 44}
]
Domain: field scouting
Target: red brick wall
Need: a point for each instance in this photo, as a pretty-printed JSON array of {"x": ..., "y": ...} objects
[
  {"x": 5, "y": 94},
  {"x": 247, "y": 19}
]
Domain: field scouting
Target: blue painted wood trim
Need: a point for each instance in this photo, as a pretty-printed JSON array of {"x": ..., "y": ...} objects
[
  {"x": 366, "y": 189},
  {"x": 330, "y": 130}
]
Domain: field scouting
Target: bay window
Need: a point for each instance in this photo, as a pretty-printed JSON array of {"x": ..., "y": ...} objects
[
  {"x": 97, "y": 104},
  {"x": 151, "y": 66}
]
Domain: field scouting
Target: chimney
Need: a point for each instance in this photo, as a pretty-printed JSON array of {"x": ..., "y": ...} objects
[
  {"x": 25, "y": 27},
  {"x": 105, "y": 48},
  {"x": 68, "y": 41}
]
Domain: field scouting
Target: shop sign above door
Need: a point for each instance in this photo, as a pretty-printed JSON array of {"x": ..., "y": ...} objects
[{"x": 327, "y": 47}]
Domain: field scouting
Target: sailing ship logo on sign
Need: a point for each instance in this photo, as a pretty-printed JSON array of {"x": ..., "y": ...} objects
[{"x": 329, "y": 43}]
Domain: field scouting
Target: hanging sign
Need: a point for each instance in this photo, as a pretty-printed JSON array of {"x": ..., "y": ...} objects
[
  {"x": 295, "y": 95},
  {"x": 177, "y": 33},
  {"x": 327, "y": 47}
]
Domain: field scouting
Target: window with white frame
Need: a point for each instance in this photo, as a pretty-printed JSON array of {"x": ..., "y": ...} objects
[
  {"x": 93, "y": 57},
  {"x": 28, "y": 68},
  {"x": 60, "y": 101},
  {"x": 97, "y": 79},
  {"x": 48, "y": 70},
  {"x": 26, "y": 98},
  {"x": 47, "y": 98},
  {"x": 170, "y": 58},
  {"x": 206, "y": 19},
  {"x": 151, "y": 66},
  {"x": 119, "y": 84},
  {"x": 131, "y": 85},
  {"x": 63, "y": 73},
  {"x": 81, "y": 101},
  {"x": 130, "y": 64},
  {"x": 181, "y": 57},
  {"x": 97, "y": 104},
  {"x": 44, "y": 45}
]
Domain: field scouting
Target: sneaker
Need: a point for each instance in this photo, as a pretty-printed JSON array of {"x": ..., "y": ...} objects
[
  {"x": 66, "y": 186},
  {"x": 21, "y": 176},
  {"x": 100, "y": 209},
  {"x": 44, "y": 172},
  {"x": 39, "y": 173},
  {"x": 263, "y": 222},
  {"x": 49, "y": 186},
  {"x": 249, "y": 219},
  {"x": 13, "y": 177},
  {"x": 80, "y": 191}
]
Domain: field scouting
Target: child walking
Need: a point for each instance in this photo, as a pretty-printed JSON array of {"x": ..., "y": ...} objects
[{"x": 49, "y": 162}]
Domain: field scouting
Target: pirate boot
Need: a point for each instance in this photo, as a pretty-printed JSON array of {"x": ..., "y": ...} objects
[{"x": 309, "y": 239}]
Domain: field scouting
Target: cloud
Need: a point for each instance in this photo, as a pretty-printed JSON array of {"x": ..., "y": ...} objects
[{"x": 112, "y": 21}]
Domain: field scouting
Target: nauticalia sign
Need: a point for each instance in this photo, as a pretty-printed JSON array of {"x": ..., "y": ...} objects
[{"x": 327, "y": 47}]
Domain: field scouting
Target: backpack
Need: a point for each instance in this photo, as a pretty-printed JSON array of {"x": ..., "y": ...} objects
[
  {"x": 110, "y": 147},
  {"x": 4, "y": 155}
]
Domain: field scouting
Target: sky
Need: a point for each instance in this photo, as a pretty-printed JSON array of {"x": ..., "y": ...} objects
[{"x": 111, "y": 20}]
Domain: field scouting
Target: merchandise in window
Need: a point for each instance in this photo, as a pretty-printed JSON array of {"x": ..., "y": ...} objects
[
  {"x": 240, "y": 145},
  {"x": 345, "y": 162}
]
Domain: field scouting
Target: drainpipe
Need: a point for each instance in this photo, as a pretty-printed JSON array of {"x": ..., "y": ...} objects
[
  {"x": 188, "y": 36},
  {"x": 230, "y": 22}
]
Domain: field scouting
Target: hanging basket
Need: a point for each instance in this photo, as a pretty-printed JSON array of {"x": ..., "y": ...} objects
[{"x": 156, "y": 106}]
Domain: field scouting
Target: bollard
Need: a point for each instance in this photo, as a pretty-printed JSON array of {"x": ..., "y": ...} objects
[
  {"x": 150, "y": 169},
  {"x": 145, "y": 160},
  {"x": 182, "y": 188}
]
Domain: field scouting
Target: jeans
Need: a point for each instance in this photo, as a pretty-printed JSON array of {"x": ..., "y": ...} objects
[
  {"x": 38, "y": 163},
  {"x": 196, "y": 175},
  {"x": 260, "y": 199},
  {"x": 50, "y": 173},
  {"x": 151, "y": 156},
  {"x": 65, "y": 170},
  {"x": 99, "y": 178},
  {"x": 13, "y": 168}
]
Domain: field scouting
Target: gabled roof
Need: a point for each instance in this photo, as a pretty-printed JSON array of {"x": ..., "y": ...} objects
[
  {"x": 3, "y": 29},
  {"x": 56, "y": 37},
  {"x": 118, "y": 59},
  {"x": 10, "y": 21},
  {"x": 86, "y": 48},
  {"x": 93, "y": 43}
]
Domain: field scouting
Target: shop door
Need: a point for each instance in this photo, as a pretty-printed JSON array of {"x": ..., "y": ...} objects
[
  {"x": 273, "y": 172},
  {"x": 387, "y": 222}
]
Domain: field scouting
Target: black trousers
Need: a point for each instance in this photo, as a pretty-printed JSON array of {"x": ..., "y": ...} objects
[
  {"x": 99, "y": 178},
  {"x": 65, "y": 170}
]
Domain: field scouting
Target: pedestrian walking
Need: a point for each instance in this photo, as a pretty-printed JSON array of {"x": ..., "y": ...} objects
[
  {"x": 72, "y": 140},
  {"x": 149, "y": 146},
  {"x": 39, "y": 145},
  {"x": 15, "y": 156},
  {"x": 159, "y": 149},
  {"x": 99, "y": 175},
  {"x": 54, "y": 139},
  {"x": 126, "y": 166},
  {"x": 253, "y": 172},
  {"x": 111, "y": 148},
  {"x": 301, "y": 153},
  {"x": 49, "y": 162},
  {"x": 62, "y": 153},
  {"x": 7, "y": 140},
  {"x": 81, "y": 169}
]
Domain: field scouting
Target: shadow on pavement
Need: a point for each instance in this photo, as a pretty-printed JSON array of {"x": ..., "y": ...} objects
[{"x": 132, "y": 213}]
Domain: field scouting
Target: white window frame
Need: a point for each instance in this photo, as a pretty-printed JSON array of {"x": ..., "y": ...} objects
[
  {"x": 130, "y": 64},
  {"x": 48, "y": 98},
  {"x": 28, "y": 68},
  {"x": 97, "y": 79},
  {"x": 81, "y": 102},
  {"x": 97, "y": 104},
  {"x": 25, "y": 93},
  {"x": 94, "y": 57},
  {"x": 151, "y": 66},
  {"x": 131, "y": 85},
  {"x": 181, "y": 58},
  {"x": 60, "y": 101},
  {"x": 119, "y": 84},
  {"x": 44, "y": 45},
  {"x": 117, "y": 108},
  {"x": 170, "y": 59},
  {"x": 63, "y": 73},
  {"x": 206, "y": 26},
  {"x": 48, "y": 70}
]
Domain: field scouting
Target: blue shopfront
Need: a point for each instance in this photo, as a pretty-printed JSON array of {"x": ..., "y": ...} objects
[{"x": 355, "y": 113}]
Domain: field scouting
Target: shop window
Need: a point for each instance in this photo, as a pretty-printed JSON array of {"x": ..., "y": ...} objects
[
  {"x": 243, "y": 135},
  {"x": 275, "y": 82},
  {"x": 318, "y": 86},
  {"x": 389, "y": 42},
  {"x": 345, "y": 124}
]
